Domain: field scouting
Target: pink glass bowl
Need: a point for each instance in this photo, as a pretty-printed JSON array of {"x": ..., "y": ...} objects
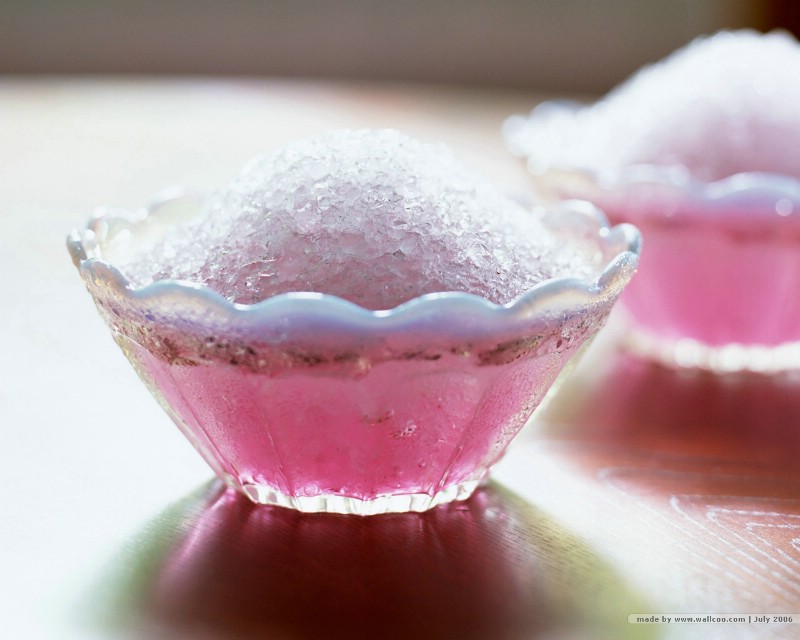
[
  {"x": 717, "y": 285},
  {"x": 308, "y": 401}
]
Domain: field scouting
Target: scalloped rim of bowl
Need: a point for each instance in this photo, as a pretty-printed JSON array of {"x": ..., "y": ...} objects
[{"x": 466, "y": 312}]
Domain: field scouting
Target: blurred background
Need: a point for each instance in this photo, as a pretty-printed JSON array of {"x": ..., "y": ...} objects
[{"x": 566, "y": 45}]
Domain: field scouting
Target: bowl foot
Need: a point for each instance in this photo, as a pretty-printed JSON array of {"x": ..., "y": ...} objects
[
  {"x": 685, "y": 353},
  {"x": 331, "y": 503}
]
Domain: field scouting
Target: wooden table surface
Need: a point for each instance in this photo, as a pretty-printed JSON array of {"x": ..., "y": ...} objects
[{"x": 638, "y": 490}]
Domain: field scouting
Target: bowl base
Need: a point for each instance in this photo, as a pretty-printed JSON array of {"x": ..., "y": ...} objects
[
  {"x": 686, "y": 353},
  {"x": 331, "y": 503}
]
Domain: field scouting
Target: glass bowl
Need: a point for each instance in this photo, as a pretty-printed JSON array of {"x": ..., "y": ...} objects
[
  {"x": 717, "y": 283},
  {"x": 308, "y": 401}
]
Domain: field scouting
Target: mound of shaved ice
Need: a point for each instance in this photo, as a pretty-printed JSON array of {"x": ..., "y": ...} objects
[
  {"x": 371, "y": 216},
  {"x": 722, "y": 105}
]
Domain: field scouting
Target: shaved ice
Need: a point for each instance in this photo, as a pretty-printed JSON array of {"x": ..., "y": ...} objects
[
  {"x": 371, "y": 216},
  {"x": 722, "y": 105}
]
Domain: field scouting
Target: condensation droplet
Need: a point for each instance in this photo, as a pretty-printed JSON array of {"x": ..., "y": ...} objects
[
  {"x": 784, "y": 207},
  {"x": 406, "y": 431}
]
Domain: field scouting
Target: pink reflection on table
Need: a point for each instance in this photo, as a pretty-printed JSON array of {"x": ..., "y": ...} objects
[
  {"x": 648, "y": 409},
  {"x": 488, "y": 568},
  {"x": 245, "y": 570}
]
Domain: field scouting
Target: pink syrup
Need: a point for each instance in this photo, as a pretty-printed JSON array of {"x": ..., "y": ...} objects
[
  {"x": 717, "y": 277},
  {"x": 402, "y": 427}
]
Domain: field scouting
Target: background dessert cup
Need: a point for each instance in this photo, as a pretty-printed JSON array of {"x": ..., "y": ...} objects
[
  {"x": 718, "y": 281},
  {"x": 697, "y": 152}
]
